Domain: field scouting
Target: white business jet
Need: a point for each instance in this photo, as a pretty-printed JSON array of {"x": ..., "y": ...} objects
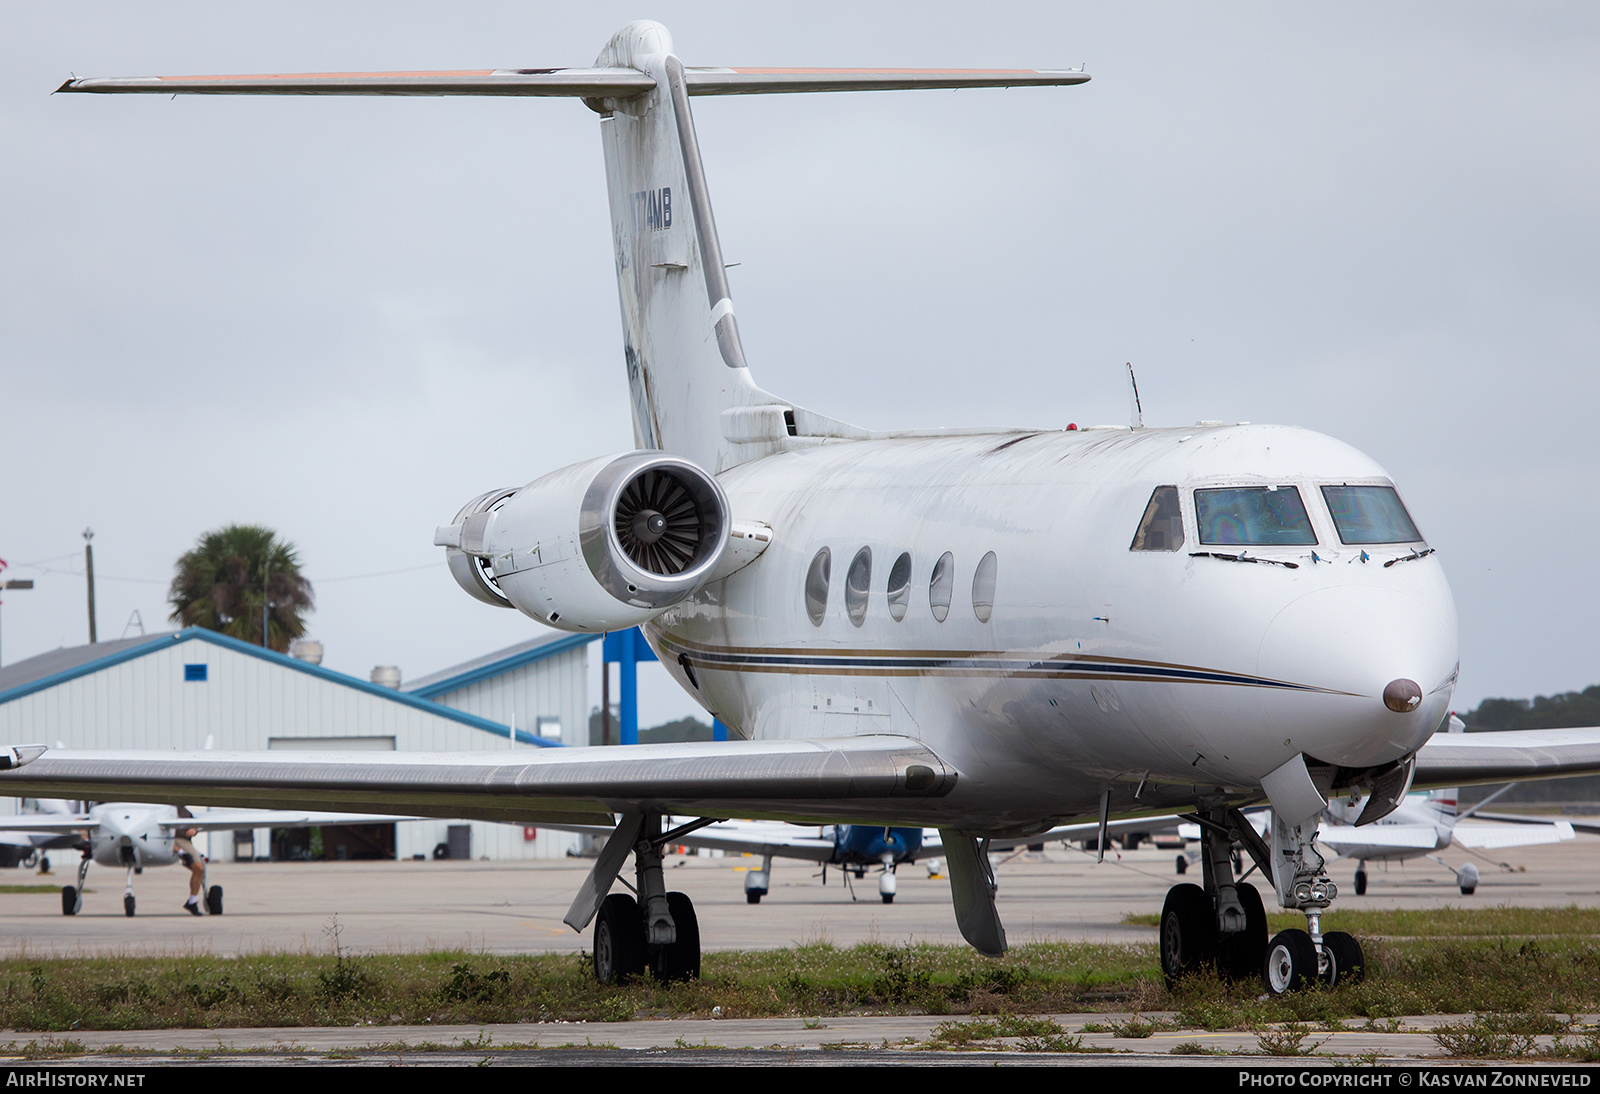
[
  {"x": 133, "y": 836},
  {"x": 986, "y": 632}
]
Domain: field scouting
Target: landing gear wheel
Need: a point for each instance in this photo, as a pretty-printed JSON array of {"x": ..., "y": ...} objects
[
  {"x": 681, "y": 959},
  {"x": 1361, "y": 883},
  {"x": 1188, "y": 932},
  {"x": 69, "y": 900},
  {"x": 127, "y": 904},
  {"x": 214, "y": 900},
  {"x": 1345, "y": 962},
  {"x": 1183, "y": 864},
  {"x": 751, "y": 896},
  {"x": 619, "y": 954},
  {"x": 1239, "y": 955},
  {"x": 1291, "y": 962},
  {"x": 888, "y": 898}
]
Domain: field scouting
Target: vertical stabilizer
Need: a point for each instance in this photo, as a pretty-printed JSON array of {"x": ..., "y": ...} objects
[{"x": 681, "y": 344}]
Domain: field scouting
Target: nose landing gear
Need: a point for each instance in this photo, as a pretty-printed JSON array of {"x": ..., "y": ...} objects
[{"x": 1295, "y": 958}]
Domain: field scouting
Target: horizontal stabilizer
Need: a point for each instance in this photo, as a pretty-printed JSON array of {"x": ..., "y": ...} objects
[
  {"x": 769, "y": 81},
  {"x": 618, "y": 83},
  {"x": 582, "y": 83}
]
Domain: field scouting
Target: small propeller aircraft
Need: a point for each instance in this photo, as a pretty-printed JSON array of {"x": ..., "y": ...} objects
[
  {"x": 133, "y": 835},
  {"x": 1427, "y": 823}
]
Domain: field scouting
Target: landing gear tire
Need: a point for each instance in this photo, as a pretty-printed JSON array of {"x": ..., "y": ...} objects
[
  {"x": 1361, "y": 883},
  {"x": 1291, "y": 962},
  {"x": 214, "y": 900},
  {"x": 1346, "y": 965},
  {"x": 1467, "y": 878},
  {"x": 127, "y": 904},
  {"x": 1188, "y": 933},
  {"x": 1183, "y": 865},
  {"x": 681, "y": 959},
  {"x": 888, "y": 898},
  {"x": 69, "y": 900},
  {"x": 1239, "y": 955},
  {"x": 751, "y": 896},
  {"x": 619, "y": 953}
]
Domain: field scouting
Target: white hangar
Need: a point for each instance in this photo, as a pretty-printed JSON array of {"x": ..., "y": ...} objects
[{"x": 183, "y": 689}]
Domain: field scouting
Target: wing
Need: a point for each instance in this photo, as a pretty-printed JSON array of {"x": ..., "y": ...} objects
[
  {"x": 1398, "y": 836},
  {"x": 1462, "y": 759},
  {"x": 1088, "y": 830},
  {"x": 1520, "y": 818},
  {"x": 46, "y": 822},
  {"x": 1512, "y": 835},
  {"x": 877, "y": 779},
  {"x": 219, "y": 820},
  {"x": 762, "y": 838}
]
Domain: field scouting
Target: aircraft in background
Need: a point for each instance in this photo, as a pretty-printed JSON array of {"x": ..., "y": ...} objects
[
  {"x": 856, "y": 848},
  {"x": 988, "y": 632},
  {"x": 1424, "y": 824},
  {"x": 134, "y": 835}
]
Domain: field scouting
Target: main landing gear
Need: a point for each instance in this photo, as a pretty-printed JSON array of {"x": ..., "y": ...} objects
[
  {"x": 72, "y": 895},
  {"x": 658, "y": 931},
  {"x": 1221, "y": 924}
]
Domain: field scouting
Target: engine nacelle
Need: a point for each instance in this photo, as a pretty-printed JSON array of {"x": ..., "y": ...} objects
[{"x": 598, "y": 546}]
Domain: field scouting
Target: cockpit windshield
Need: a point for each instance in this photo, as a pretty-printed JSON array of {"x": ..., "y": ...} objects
[
  {"x": 1369, "y": 514},
  {"x": 1265, "y": 516}
]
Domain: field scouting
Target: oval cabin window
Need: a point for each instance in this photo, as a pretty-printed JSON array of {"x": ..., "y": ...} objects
[
  {"x": 900, "y": 587},
  {"x": 983, "y": 588},
  {"x": 858, "y": 585},
  {"x": 941, "y": 585},
  {"x": 817, "y": 586}
]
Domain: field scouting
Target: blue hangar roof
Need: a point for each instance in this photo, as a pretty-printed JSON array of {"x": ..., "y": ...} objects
[{"x": 59, "y": 666}]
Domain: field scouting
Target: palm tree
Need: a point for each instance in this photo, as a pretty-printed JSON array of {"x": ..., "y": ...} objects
[{"x": 223, "y": 583}]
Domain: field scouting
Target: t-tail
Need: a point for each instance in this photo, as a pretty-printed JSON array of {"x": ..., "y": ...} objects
[{"x": 690, "y": 386}]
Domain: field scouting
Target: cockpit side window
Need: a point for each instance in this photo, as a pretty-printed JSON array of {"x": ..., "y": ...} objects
[
  {"x": 1255, "y": 516},
  {"x": 1161, "y": 528},
  {"x": 1369, "y": 514}
]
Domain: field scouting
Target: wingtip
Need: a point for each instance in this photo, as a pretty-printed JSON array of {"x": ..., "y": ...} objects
[{"x": 20, "y": 755}]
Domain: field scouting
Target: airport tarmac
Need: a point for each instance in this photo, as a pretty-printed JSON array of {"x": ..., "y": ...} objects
[
  {"x": 1059, "y": 894},
  {"x": 491, "y": 907}
]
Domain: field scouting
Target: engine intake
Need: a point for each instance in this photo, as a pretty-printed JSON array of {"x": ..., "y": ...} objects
[{"x": 599, "y": 545}]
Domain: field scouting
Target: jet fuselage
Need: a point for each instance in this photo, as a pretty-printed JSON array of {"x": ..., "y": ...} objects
[{"x": 1098, "y": 667}]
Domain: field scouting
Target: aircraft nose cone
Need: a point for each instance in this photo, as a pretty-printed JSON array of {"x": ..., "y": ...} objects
[
  {"x": 1377, "y": 666},
  {"x": 1402, "y": 696}
]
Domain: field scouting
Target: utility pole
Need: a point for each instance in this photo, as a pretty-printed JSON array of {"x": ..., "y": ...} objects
[
  {"x": 266, "y": 605},
  {"x": 88, "y": 571}
]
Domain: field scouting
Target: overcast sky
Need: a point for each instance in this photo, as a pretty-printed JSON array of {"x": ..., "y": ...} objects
[{"x": 344, "y": 317}]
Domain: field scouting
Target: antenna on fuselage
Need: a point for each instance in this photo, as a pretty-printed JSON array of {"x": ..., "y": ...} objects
[{"x": 1135, "y": 411}]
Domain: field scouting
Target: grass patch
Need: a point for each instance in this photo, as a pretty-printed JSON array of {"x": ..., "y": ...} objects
[
  {"x": 1437, "y": 923},
  {"x": 992, "y": 1035},
  {"x": 1287, "y": 1040},
  {"x": 53, "y": 889},
  {"x": 1553, "y": 973}
]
